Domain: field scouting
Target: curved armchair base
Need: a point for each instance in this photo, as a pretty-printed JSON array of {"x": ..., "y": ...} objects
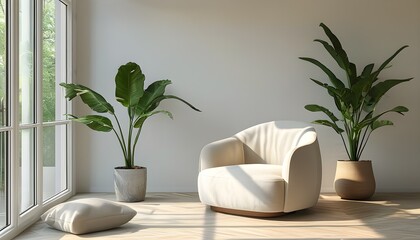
[{"x": 247, "y": 213}]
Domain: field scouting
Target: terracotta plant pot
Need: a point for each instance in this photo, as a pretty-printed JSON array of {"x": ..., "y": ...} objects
[
  {"x": 354, "y": 180},
  {"x": 130, "y": 184}
]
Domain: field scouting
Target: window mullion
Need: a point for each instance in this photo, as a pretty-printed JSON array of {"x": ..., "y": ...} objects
[
  {"x": 13, "y": 77},
  {"x": 5, "y": 129},
  {"x": 38, "y": 96},
  {"x": 71, "y": 179},
  {"x": 26, "y": 151}
]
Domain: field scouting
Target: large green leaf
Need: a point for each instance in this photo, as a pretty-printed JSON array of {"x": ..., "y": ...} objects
[
  {"x": 377, "y": 91},
  {"x": 129, "y": 83},
  {"x": 318, "y": 108},
  {"x": 324, "y": 85},
  {"x": 139, "y": 122},
  {"x": 91, "y": 98},
  {"x": 343, "y": 63},
  {"x": 155, "y": 103},
  {"x": 151, "y": 99},
  {"x": 153, "y": 91},
  {"x": 179, "y": 99},
  {"x": 334, "y": 80},
  {"x": 334, "y": 40},
  {"x": 329, "y": 124},
  {"x": 368, "y": 120},
  {"x": 367, "y": 70},
  {"x": 359, "y": 90},
  {"x": 400, "y": 109},
  {"x": 95, "y": 122},
  {"x": 380, "y": 123},
  {"x": 337, "y": 94},
  {"x": 333, "y": 92},
  {"x": 336, "y": 43},
  {"x": 352, "y": 74},
  {"x": 364, "y": 81},
  {"x": 343, "y": 98},
  {"x": 385, "y": 64}
]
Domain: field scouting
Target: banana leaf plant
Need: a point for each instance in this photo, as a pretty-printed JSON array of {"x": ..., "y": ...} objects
[
  {"x": 355, "y": 98},
  {"x": 129, "y": 91}
]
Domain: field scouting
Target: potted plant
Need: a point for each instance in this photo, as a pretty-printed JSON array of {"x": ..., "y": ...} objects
[
  {"x": 356, "y": 99},
  {"x": 130, "y": 179}
]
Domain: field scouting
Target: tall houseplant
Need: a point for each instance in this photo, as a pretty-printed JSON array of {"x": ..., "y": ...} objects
[
  {"x": 356, "y": 99},
  {"x": 140, "y": 104}
]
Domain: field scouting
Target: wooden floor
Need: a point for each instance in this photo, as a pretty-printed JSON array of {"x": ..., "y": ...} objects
[{"x": 182, "y": 216}]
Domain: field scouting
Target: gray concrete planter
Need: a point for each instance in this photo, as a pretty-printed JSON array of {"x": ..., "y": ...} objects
[{"x": 130, "y": 184}]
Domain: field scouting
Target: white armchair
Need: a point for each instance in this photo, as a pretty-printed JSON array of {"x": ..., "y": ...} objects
[{"x": 263, "y": 171}]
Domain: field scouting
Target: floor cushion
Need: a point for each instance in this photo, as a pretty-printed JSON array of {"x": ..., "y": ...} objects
[{"x": 87, "y": 215}]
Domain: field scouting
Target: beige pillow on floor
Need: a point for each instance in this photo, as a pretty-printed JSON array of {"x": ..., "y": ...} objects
[{"x": 87, "y": 215}]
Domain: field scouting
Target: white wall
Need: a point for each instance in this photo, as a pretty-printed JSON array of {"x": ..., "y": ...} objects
[{"x": 237, "y": 60}]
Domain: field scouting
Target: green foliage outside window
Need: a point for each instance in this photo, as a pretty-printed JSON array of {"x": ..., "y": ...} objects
[
  {"x": 48, "y": 81},
  {"x": 48, "y": 61}
]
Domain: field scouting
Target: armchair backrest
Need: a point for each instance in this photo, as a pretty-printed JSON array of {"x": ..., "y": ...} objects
[
  {"x": 293, "y": 145},
  {"x": 273, "y": 142}
]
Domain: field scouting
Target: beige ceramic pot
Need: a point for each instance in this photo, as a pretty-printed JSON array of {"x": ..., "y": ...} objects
[{"x": 354, "y": 180}]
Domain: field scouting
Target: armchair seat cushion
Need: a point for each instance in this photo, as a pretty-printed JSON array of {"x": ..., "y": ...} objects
[{"x": 247, "y": 187}]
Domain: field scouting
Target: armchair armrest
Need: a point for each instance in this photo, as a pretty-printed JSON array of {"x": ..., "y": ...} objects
[
  {"x": 228, "y": 151},
  {"x": 302, "y": 173}
]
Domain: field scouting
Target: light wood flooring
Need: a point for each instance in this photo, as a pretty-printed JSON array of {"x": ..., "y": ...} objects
[{"x": 181, "y": 216}]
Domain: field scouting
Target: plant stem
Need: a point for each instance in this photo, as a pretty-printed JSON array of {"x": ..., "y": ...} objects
[
  {"x": 359, "y": 153},
  {"x": 364, "y": 144},
  {"x": 350, "y": 147},
  {"x": 130, "y": 133},
  {"x": 345, "y": 145},
  {"x": 121, "y": 133},
  {"x": 350, "y": 137},
  {"x": 136, "y": 139},
  {"x": 124, "y": 146},
  {"x": 347, "y": 128}
]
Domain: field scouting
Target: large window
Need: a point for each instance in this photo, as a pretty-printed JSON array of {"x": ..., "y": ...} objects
[{"x": 35, "y": 57}]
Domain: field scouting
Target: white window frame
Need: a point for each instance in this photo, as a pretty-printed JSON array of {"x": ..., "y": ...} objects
[{"x": 18, "y": 222}]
